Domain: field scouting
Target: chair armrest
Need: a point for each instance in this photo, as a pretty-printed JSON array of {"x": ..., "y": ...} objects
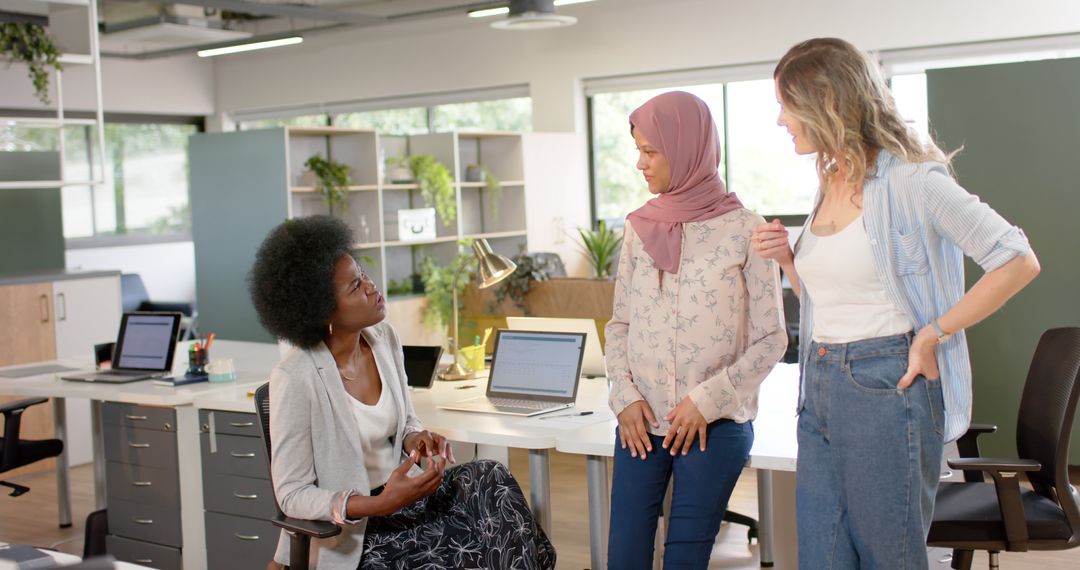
[
  {"x": 20, "y": 405},
  {"x": 991, "y": 465},
  {"x": 968, "y": 446},
  {"x": 314, "y": 529},
  {"x": 1006, "y": 475}
]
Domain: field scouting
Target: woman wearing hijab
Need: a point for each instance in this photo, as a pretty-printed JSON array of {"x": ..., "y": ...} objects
[{"x": 696, "y": 327}]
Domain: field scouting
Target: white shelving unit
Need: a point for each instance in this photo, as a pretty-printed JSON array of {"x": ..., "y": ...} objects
[
  {"x": 374, "y": 202},
  {"x": 73, "y": 26}
]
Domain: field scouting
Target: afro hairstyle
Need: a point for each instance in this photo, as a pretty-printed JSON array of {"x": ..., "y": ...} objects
[{"x": 292, "y": 280}]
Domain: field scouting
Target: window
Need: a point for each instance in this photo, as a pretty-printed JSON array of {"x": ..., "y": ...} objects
[{"x": 507, "y": 114}]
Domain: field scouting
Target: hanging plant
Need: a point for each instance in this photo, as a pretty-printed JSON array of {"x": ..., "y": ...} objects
[
  {"x": 436, "y": 186},
  {"x": 494, "y": 191},
  {"x": 28, "y": 43},
  {"x": 331, "y": 180}
]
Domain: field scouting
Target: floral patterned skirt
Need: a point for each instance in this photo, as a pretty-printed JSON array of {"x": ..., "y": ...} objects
[{"x": 478, "y": 518}]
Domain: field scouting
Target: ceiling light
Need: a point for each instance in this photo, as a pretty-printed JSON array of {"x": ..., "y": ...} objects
[
  {"x": 533, "y": 15},
  {"x": 489, "y": 12},
  {"x": 249, "y": 47}
]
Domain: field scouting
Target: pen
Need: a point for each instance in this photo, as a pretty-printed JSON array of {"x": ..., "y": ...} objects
[{"x": 575, "y": 414}]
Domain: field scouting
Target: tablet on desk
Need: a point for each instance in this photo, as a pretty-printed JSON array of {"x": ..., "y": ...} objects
[{"x": 421, "y": 364}]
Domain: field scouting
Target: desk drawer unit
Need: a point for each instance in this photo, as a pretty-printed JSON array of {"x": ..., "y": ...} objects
[
  {"x": 237, "y": 494},
  {"x": 142, "y": 484},
  {"x": 140, "y": 447},
  {"x": 135, "y": 552},
  {"x": 136, "y": 416},
  {"x": 239, "y": 542},
  {"x": 147, "y": 522}
]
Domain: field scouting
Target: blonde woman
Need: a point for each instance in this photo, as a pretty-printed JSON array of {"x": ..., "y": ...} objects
[{"x": 879, "y": 270}]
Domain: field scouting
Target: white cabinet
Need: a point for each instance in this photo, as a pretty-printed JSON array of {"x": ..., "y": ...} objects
[{"x": 85, "y": 312}]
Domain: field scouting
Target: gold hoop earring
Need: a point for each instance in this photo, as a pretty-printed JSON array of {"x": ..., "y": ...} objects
[{"x": 331, "y": 325}]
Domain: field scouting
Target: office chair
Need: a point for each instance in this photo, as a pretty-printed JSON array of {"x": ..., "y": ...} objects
[
  {"x": 552, "y": 262},
  {"x": 134, "y": 297},
  {"x": 15, "y": 452},
  {"x": 300, "y": 531},
  {"x": 973, "y": 515}
]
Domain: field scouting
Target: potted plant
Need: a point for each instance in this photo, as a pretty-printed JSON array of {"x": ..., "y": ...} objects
[
  {"x": 436, "y": 186},
  {"x": 438, "y": 288},
  {"x": 29, "y": 43},
  {"x": 529, "y": 270},
  {"x": 397, "y": 170},
  {"x": 600, "y": 246},
  {"x": 331, "y": 180}
]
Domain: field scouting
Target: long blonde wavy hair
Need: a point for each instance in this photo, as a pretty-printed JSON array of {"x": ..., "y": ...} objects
[{"x": 839, "y": 95}]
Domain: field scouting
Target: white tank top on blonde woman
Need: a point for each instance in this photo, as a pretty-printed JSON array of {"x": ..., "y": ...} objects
[
  {"x": 850, "y": 302},
  {"x": 377, "y": 425}
]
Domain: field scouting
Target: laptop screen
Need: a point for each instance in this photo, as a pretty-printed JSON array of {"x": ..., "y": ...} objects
[
  {"x": 147, "y": 341},
  {"x": 543, "y": 364}
]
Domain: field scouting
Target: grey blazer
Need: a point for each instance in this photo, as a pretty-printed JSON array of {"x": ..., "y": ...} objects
[{"x": 317, "y": 458}]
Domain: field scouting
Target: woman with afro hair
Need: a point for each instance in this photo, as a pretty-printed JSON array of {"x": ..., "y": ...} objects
[{"x": 346, "y": 441}]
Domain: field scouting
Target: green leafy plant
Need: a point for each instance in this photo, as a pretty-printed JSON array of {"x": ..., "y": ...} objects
[
  {"x": 29, "y": 43},
  {"x": 332, "y": 180},
  {"x": 438, "y": 287},
  {"x": 494, "y": 191},
  {"x": 529, "y": 270},
  {"x": 436, "y": 186},
  {"x": 600, "y": 246}
]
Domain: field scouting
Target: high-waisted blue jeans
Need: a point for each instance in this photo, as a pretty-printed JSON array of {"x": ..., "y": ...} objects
[
  {"x": 869, "y": 458},
  {"x": 703, "y": 484}
]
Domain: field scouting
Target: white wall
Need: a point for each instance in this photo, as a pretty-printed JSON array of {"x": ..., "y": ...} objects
[
  {"x": 167, "y": 269},
  {"x": 612, "y": 37},
  {"x": 181, "y": 85}
]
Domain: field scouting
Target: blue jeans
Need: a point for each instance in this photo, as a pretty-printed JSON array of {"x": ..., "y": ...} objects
[
  {"x": 869, "y": 458},
  {"x": 703, "y": 485}
]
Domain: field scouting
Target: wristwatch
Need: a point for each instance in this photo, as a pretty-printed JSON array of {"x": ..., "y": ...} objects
[{"x": 942, "y": 336}]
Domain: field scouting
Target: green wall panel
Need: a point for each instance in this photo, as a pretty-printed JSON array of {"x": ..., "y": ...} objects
[
  {"x": 1019, "y": 125},
  {"x": 238, "y": 193},
  {"x": 31, "y": 220}
]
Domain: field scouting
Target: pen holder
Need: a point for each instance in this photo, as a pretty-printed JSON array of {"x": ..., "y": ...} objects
[
  {"x": 197, "y": 359},
  {"x": 473, "y": 357}
]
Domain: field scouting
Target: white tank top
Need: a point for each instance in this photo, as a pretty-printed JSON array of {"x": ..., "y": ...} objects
[
  {"x": 377, "y": 425},
  {"x": 850, "y": 302}
]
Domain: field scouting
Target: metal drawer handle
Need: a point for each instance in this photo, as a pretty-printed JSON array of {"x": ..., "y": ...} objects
[
  {"x": 131, "y": 417},
  {"x": 141, "y": 483},
  {"x": 241, "y": 455},
  {"x": 243, "y": 496},
  {"x": 144, "y": 560},
  {"x": 138, "y": 445},
  {"x": 143, "y": 521},
  {"x": 241, "y": 424},
  {"x": 246, "y": 536}
]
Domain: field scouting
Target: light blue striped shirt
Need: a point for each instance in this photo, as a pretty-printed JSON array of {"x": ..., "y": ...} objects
[{"x": 921, "y": 223}]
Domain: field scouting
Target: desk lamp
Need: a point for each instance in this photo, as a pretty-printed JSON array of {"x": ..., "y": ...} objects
[{"x": 493, "y": 268}]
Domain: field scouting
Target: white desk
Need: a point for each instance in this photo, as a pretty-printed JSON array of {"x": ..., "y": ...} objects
[
  {"x": 775, "y": 450},
  {"x": 253, "y": 362}
]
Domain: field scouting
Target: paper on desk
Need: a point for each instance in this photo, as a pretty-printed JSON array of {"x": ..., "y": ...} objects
[{"x": 556, "y": 420}]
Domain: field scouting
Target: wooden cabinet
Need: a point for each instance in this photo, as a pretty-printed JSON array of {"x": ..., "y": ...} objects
[{"x": 28, "y": 333}]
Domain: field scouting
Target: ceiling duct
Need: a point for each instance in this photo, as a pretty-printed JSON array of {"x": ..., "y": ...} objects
[{"x": 533, "y": 15}]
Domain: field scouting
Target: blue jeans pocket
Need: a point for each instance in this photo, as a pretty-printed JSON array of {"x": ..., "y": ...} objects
[
  {"x": 878, "y": 374},
  {"x": 937, "y": 404}
]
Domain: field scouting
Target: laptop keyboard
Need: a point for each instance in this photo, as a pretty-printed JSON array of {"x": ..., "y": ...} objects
[{"x": 521, "y": 404}]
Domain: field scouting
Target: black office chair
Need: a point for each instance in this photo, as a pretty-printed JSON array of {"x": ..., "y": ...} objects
[
  {"x": 134, "y": 297},
  {"x": 300, "y": 531},
  {"x": 550, "y": 261},
  {"x": 973, "y": 515},
  {"x": 15, "y": 452}
]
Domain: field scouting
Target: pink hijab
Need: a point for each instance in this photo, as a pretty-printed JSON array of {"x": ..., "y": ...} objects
[{"x": 680, "y": 126}]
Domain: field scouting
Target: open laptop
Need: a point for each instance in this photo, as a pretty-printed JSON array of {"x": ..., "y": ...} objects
[
  {"x": 144, "y": 349},
  {"x": 421, "y": 364},
  {"x": 593, "y": 366},
  {"x": 532, "y": 372}
]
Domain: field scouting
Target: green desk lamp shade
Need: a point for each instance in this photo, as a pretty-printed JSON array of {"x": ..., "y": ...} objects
[{"x": 493, "y": 268}]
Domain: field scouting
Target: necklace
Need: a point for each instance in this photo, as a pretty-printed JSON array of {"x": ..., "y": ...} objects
[{"x": 342, "y": 372}]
